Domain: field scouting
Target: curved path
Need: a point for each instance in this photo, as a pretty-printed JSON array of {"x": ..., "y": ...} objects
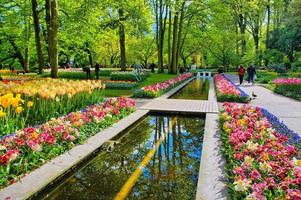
[{"x": 286, "y": 109}]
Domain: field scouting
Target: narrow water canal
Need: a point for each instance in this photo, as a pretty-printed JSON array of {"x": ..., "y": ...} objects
[
  {"x": 195, "y": 90},
  {"x": 130, "y": 168}
]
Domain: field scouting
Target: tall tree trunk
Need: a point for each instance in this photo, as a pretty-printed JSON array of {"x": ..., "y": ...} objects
[
  {"x": 256, "y": 43},
  {"x": 46, "y": 33},
  {"x": 169, "y": 42},
  {"x": 122, "y": 39},
  {"x": 175, "y": 44},
  {"x": 160, "y": 37},
  {"x": 90, "y": 57},
  {"x": 242, "y": 28},
  {"x": 53, "y": 37},
  {"x": 35, "y": 14},
  {"x": 268, "y": 31},
  {"x": 18, "y": 53},
  {"x": 237, "y": 40},
  {"x": 180, "y": 33},
  {"x": 26, "y": 61}
]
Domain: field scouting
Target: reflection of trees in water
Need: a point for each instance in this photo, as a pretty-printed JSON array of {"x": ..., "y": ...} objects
[
  {"x": 197, "y": 89},
  {"x": 173, "y": 172},
  {"x": 104, "y": 176}
]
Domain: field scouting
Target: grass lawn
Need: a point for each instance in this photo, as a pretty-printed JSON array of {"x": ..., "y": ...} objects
[{"x": 152, "y": 79}]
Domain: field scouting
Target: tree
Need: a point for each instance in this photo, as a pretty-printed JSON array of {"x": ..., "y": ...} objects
[
  {"x": 35, "y": 13},
  {"x": 52, "y": 13},
  {"x": 255, "y": 17},
  {"x": 160, "y": 10}
]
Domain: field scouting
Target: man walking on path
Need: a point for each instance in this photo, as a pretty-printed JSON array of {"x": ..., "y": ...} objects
[
  {"x": 251, "y": 73},
  {"x": 241, "y": 73}
]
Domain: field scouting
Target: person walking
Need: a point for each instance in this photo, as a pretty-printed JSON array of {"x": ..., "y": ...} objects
[
  {"x": 241, "y": 73},
  {"x": 88, "y": 72},
  {"x": 97, "y": 68},
  {"x": 251, "y": 74}
]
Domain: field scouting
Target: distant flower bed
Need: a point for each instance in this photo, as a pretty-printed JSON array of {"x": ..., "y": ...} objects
[
  {"x": 51, "y": 88},
  {"x": 290, "y": 87},
  {"x": 30, "y": 147},
  {"x": 287, "y": 81},
  {"x": 50, "y": 98},
  {"x": 263, "y": 156},
  {"x": 5, "y": 71},
  {"x": 120, "y": 84},
  {"x": 228, "y": 91},
  {"x": 158, "y": 89}
]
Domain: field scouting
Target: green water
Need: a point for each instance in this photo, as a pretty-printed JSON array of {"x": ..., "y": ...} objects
[
  {"x": 195, "y": 90},
  {"x": 172, "y": 172}
]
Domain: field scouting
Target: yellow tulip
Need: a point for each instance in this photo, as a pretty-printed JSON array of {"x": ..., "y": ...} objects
[
  {"x": 2, "y": 114},
  {"x": 19, "y": 109},
  {"x": 29, "y": 104}
]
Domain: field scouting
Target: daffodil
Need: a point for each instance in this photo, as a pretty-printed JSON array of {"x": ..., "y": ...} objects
[
  {"x": 2, "y": 113},
  {"x": 19, "y": 109},
  {"x": 29, "y": 104}
]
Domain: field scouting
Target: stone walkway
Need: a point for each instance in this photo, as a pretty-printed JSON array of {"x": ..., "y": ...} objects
[
  {"x": 286, "y": 109},
  {"x": 180, "y": 105}
]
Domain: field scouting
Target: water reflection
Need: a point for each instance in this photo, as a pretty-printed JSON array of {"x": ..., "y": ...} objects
[
  {"x": 172, "y": 172},
  {"x": 195, "y": 90}
]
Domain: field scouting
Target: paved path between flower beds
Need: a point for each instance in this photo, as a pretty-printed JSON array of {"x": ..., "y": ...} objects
[
  {"x": 177, "y": 105},
  {"x": 286, "y": 109}
]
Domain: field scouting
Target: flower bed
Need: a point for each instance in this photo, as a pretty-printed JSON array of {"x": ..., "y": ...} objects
[
  {"x": 226, "y": 90},
  {"x": 120, "y": 84},
  {"x": 290, "y": 87},
  {"x": 262, "y": 162},
  {"x": 158, "y": 89},
  {"x": 30, "y": 147},
  {"x": 50, "y": 98},
  {"x": 5, "y": 71}
]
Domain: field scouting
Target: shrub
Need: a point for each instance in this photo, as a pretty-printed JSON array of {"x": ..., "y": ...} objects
[
  {"x": 79, "y": 75},
  {"x": 127, "y": 76},
  {"x": 120, "y": 84}
]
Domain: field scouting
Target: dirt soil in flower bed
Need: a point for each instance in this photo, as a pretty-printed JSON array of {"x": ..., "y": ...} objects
[
  {"x": 263, "y": 160},
  {"x": 31, "y": 147}
]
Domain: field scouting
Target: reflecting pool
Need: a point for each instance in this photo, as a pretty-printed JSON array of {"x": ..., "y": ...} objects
[
  {"x": 197, "y": 89},
  {"x": 157, "y": 158}
]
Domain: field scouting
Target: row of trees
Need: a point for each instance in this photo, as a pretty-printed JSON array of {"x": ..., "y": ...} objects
[
  {"x": 262, "y": 32},
  {"x": 167, "y": 32}
]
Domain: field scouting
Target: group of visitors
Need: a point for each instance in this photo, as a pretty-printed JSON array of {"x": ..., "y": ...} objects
[
  {"x": 88, "y": 71},
  {"x": 250, "y": 71}
]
